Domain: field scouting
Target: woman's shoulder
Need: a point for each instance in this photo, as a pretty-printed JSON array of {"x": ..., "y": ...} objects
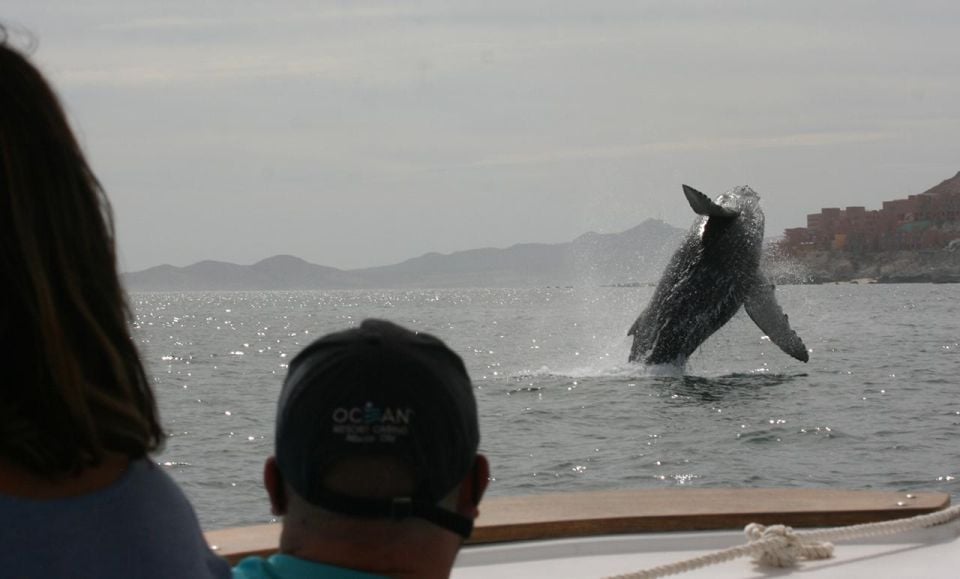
[{"x": 142, "y": 525}]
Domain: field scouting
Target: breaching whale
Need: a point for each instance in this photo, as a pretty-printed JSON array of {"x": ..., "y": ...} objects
[{"x": 715, "y": 270}]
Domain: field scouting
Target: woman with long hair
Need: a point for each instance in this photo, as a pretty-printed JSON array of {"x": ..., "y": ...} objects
[{"x": 79, "y": 496}]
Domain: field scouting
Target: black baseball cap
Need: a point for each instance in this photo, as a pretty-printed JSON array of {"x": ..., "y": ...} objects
[{"x": 379, "y": 390}]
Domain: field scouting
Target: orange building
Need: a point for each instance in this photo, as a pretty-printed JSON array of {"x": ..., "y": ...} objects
[{"x": 929, "y": 220}]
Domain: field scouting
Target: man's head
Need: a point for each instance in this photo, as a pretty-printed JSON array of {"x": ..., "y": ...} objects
[{"x": 377, "y": 424}]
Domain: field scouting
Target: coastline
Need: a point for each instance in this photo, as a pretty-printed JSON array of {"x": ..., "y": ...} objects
[{"x": 904, "y": 266}]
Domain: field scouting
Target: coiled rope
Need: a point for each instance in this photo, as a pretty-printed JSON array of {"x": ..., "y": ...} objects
[{"x": 781, "y": 546}]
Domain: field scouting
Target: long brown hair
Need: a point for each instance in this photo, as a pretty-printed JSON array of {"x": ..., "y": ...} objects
[{"x": 72, "y": 386}]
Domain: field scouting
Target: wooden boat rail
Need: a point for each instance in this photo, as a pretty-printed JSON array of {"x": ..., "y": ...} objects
[{"x": 555, "y": 516}]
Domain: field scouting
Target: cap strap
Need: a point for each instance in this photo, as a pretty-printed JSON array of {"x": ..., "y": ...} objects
[{"x": 394, "y": 508}]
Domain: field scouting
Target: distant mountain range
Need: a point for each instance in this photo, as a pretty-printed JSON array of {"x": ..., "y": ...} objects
[{"x": 635, "y": 256}]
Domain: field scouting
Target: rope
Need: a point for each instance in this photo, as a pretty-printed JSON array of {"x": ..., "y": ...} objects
[{"x": 781, "y": 546}]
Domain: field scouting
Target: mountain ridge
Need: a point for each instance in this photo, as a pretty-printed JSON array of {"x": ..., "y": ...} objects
[{"x": 636, "y": 255}]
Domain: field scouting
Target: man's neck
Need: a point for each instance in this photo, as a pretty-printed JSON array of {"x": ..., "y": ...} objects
[{"x": 380, "y": 552}]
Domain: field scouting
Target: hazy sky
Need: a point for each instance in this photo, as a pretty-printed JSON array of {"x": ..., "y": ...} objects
[{"x": 355, "y": 134}]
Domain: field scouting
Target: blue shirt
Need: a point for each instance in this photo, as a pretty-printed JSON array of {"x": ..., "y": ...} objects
[
  {"x": 139, "y": 526},
  {"x": 287, "y": 567}
]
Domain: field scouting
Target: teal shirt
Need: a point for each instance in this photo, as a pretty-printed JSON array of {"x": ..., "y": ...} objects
[{"x": 287, "y": 567}]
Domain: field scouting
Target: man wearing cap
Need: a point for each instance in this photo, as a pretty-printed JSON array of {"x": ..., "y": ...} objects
[{"x": 376, "y": 471}]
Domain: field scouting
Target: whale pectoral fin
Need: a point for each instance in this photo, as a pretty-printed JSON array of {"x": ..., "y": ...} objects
[
  {"x": 642, "y": 337},
  {"x": 703, "y": 205},
  {"x": 763, "y": 309}
]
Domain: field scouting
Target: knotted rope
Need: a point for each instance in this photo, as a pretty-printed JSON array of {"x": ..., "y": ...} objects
[{"x": 781, "y": 546}]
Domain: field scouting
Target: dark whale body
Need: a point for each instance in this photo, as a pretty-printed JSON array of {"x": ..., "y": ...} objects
[{"x": 714, "y": 272}]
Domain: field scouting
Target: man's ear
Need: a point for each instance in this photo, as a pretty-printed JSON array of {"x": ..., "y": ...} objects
[
  {"x": 473, "y": 487},
  {"x": 273, "y": 482}
]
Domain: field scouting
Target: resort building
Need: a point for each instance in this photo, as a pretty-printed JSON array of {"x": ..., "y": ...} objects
[{"x": 930, "y": 220}]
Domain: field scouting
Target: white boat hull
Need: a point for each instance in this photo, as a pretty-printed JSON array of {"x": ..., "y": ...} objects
[{"x": 930, "y": 552}]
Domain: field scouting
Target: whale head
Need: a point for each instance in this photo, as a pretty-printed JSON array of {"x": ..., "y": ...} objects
[
  {"x": 746, "y": 202},
  {"x": 738, "y": 208},
  {"x": 739, "y": 199}
]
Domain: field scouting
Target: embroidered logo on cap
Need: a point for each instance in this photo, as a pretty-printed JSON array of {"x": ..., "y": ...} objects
[{"x": 371, "y": 423}]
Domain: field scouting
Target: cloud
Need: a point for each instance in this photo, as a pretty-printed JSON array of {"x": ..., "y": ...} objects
[
  {"x": 719, "y": 144},
  {"x": 236, "y": 68},
  {"x": 516, "y": 113}
]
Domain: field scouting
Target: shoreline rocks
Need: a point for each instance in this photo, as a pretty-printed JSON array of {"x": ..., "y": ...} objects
[{"x": 921, "y": 266}]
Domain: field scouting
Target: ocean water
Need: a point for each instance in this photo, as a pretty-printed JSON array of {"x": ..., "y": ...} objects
[{"x": 877, "y": 406}]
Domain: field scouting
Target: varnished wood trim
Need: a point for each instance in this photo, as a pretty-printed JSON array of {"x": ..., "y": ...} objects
[{"x": 553, "y": 516}]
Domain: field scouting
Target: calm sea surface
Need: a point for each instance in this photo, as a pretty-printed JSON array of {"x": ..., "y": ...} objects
[{"x": 876, "y": 407}]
